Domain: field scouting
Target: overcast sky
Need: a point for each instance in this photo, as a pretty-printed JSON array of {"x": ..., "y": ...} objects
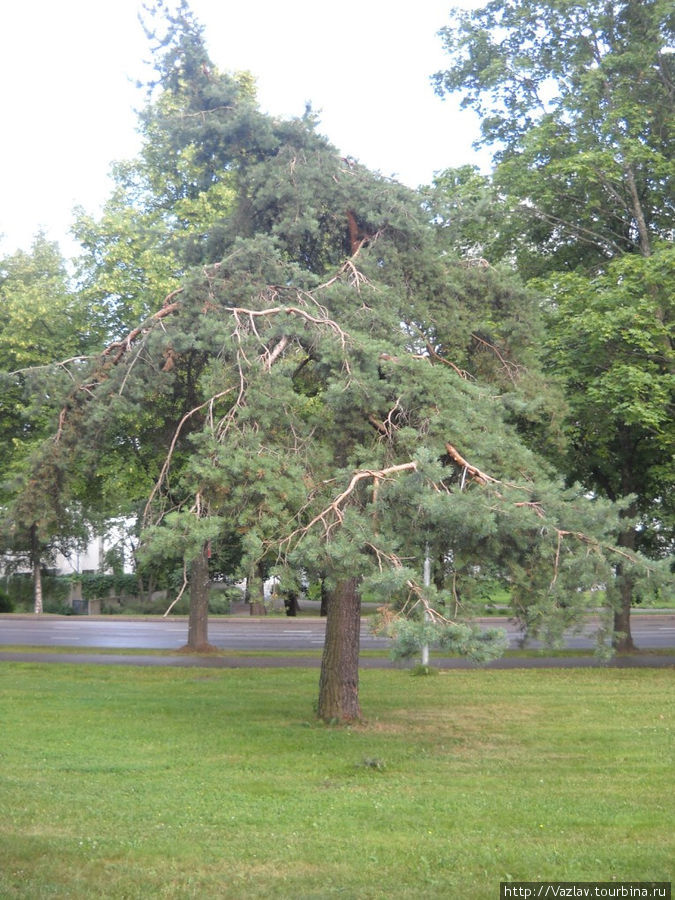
[{"x": 68, "y": 72}]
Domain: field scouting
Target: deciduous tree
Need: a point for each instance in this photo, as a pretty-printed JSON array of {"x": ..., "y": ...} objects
[{"x": 577, "y": 101}]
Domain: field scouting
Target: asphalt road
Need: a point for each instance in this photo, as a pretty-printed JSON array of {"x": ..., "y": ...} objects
[{"x": 653, "y": 631}]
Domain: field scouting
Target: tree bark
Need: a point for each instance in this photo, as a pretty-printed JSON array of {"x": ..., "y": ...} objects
[
  {"x": 638, "y": 213},
  {"x": 339, "y": 682},
  {"x": 623, "y": 639},
  {"x": 37, "y": 571},
  {"x": 198, "y": 623}
]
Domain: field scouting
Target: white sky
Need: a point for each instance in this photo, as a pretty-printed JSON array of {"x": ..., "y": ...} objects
[{"x": 68, "y": 95}]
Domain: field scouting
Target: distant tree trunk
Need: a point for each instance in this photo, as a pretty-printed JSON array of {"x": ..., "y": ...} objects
[
  {"x": 623, "y": 640},
  {"x": 198, "y": 623},
  {"x": 35, "y": 560},
  {"x": 144, "y": 595},
  {"x": 339, "y": 682},
  {"x": 291, "y": 603},
  {"x": 255, "y": 592}
]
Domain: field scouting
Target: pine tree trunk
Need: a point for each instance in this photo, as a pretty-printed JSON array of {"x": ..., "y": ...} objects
[
  {"x": 37, "y": 571},
  {"x": 198, "y": 623},
  {"x": 339, "y": 683},
  {"x": 623, "y": 640}
]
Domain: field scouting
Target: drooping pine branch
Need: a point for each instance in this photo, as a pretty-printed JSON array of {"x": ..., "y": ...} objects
[{"x": 110, "y": 357}]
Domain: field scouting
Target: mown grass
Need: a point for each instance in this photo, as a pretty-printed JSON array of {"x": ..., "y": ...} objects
[
  {"x": 176, "y": 783},
  {"x": 306, "y": 654}
]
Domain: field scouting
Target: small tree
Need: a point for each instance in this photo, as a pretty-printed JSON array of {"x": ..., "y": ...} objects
[{"x": 44, "y": 330}]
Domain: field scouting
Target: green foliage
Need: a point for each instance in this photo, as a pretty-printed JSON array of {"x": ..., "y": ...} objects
[
  {"x": 44, "y": 334},
  {"x": 55, "y": 590},
  {"x": 182, "y": 536},
  {"x": 42, "y": 322},
  {"x": 480, "y": 645},
  {"x": 96, "y": 586},
  {"x": 611, "y": 340},
  {"x": 577, "y": 100}
]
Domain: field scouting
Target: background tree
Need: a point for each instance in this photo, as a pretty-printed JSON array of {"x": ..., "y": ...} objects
[
  {"x": 577, "y": 101},
  {"x": 44, "y": 331}
]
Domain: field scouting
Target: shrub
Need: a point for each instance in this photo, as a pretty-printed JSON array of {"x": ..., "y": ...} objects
[{"x": 57, "y": 607}]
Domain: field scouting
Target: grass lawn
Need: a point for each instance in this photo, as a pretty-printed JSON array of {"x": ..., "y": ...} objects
[{"x": 142, "y": 783}]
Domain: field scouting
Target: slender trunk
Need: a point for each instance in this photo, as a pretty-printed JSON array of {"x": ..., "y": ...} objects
[
  {"x": 198, "y": 623},
  {"x": 640, "y": 221},
  {"x": 339, "y": 682},
  {"x": 37, "y": 571},
  {"x": 623, "y": 639},
  {"x": 37, "y": 588}
]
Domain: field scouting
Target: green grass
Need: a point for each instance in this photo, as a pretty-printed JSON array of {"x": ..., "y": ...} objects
[
  {"x": 307, "y": 654},
  {"x": 177, "y": 783}
]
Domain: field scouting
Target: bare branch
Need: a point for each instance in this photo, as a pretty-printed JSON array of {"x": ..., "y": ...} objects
[
  {"x": 228, "y": 418},
  {"x": 446, "y": 362},
  {"x": 511, "y": 369},
  {"x": 182, "y": 590},
  {"x": 61, "y": 364},
  {"x": 270, "y": 356},
  {"x": 253, "y": 314},
  {"x": 335, "y": 510},
  {"x": 167, "y": 461},
  {"x": 584, "y": 235},
  {"x": 113, "y": 354},
  {"x": 354, "y": 277},
  {"x": 168, "y": 307},
  {"x": 473, "y": 471}
]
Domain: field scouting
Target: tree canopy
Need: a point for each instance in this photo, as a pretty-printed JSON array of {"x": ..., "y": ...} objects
[{"x": 577, "y": 101}]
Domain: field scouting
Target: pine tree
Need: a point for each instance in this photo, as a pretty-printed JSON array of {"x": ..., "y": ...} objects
[{"x": 287, "y": 404}]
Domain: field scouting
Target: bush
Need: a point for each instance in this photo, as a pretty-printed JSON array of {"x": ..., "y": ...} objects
[
  {"x": 6, "y": 604},
  {"x": 57, "y": 607},
  {"x": 222, "y": 598},
  {"x": 20, "y": 590}
]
